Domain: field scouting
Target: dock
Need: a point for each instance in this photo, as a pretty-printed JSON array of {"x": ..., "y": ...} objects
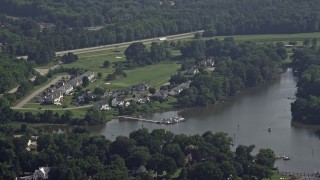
[
  {"x": 168, "y": 121},
  {"x": 139, "y": 119}
]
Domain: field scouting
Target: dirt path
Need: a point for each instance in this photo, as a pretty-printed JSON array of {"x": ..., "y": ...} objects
[{"x": 36, "y": 92}]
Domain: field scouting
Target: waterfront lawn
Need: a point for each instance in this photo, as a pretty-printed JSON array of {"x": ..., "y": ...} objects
[
  {"x": 156, "y": 75},
  {"x": 169, "y": 104},
  {"x": 77, "y": 113}
]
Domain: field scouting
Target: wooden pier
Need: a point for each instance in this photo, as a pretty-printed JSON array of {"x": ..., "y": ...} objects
[
  {"x": 138, "y": 119},
  {"x": 302, "y": 175}
]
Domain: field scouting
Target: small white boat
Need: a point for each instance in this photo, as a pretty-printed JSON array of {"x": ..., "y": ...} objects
[{"x": 286, "y": 158}]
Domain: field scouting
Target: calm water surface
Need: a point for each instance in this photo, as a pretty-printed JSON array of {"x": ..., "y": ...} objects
[{"x": 246, "y": 118}]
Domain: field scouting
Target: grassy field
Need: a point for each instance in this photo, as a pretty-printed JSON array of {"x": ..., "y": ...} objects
[
  {"x": 77, "y": 113},
  {"x": 156, "y": 75},
  {"x": 272, "y": 37}
]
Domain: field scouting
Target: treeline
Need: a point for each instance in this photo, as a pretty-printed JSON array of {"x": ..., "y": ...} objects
[
  {"x": 142, "y": 155},
  {"x": 91, "y": 116},
  {"x": 237, "y": 65},
  {"x": 306, "y": 65},
  {"x": 13, "y": 72},
  {"x": 131, "y": 20}
]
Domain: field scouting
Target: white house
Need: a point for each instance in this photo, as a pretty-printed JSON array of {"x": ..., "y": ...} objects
[
  {"x": 41, "y": 173},
  {"x": 118, "y": 102},
  {"x": 193, "y": 71},
  {"x": 101, "y": 105},
  {"x": 66, "y": 89},
  {"x": 89, "y": 74},
  {"x": 208, "y": 62},
  {"x": 54, "y": 97}
]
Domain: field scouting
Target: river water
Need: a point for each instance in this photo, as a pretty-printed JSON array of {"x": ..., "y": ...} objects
[{"x": 246, "y": 118}]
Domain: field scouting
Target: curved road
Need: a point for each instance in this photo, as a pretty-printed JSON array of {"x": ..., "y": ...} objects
[{"x": 36, "y": 92}]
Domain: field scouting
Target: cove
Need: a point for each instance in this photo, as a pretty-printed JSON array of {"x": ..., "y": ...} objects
[{"x": 246, "y": 118}]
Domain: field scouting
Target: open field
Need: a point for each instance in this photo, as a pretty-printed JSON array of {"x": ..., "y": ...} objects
[
  {"x": 77, "y": 113},
  {"x": 156, "y": 75},
  {"x": 272, "y": 37}
]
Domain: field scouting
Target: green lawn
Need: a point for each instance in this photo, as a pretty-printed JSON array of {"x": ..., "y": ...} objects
[
  {"x": 272, "y": 37},
  {"x": 77, "y": 113},
  {"x": 94, "y": 61},
  {"x": 156, "y": 75}
]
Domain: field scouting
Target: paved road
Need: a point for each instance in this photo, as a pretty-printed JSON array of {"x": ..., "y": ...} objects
[
  {"x": 33, "y": 94},
  {"x": 122, "y": 45}
]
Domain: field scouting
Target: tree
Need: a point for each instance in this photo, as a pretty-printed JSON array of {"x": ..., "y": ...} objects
[
  {"x": 94, "y": 117},
  {"x": 138, "y": 157},
  {"x": 137, "y": 53},
  {"x": 266, "y": 157},
  {"x": 206, "y": 170},
  {"x": 110, "y": 77},
  {"x": 99, "y": 75},
  {"x": 152, "y": 90},
  {"x": 197, "y": 35},
  {"x": 85, "y": 81},
  {"x": 106, "y": 64},
  {"x": 98, "y": 91},
  {"x": 69, "y": 58}
]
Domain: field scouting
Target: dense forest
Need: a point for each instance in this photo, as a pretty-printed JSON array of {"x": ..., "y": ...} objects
[
  {"x": 142, "y": 155},
  {"x": 13, "y": 72},
  {"x": 38, "y": 28},
  {"x": 306, "y": 65},
  {"x": 237, "y": 65}
]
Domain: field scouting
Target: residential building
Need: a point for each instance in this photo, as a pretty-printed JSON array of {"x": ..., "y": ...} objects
[
  {"x": 207, "y": 62},
  {"x": 89, "y": 74},
  {"x": 139, "y": 87},
  {"x": 101, "y": 105},
  {"x": 54, "y": 97},
  {"x": 193, "y": 71},
  {"x": 162, "y": 94},
  {"x": 66, "y": 89},
  {"x": 41, "y": 173},
  {"x": 177, "y": 90}
]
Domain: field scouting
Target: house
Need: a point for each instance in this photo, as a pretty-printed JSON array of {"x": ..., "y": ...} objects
[
  {"x": 139, "y": 87},
  {"x": 108, "y": 94},
  {"x": 119, "y": 102},
  {"x": 75, "y": 82},
  {"x": 89, "y": 95},
  {"x": 208, "y": 62},
  {"x": 177, "y": 90},
  {"x": 101, "y": 105},
  {"x": 89, "y": 74},
  {"x": 193, "y": 71},
  {"x": 54, "y": 97},
  {"x": 141, "y": 99},
  {"x": 116, "y": 101},
  {"x": 32, "y": 145},
  {"x": 162, "y": 94},
  {"x": 46, "y": 26},
  {"x": 41, "y": 173},
  {"x": 188, "y": 158},
  {"x": 66, "y": 89},
  {"x": 139, "y": 170}
]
